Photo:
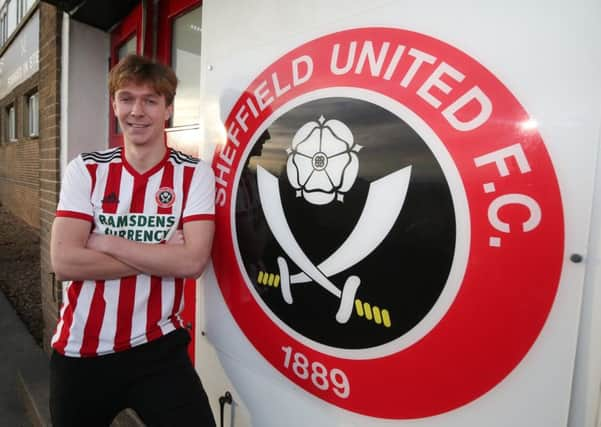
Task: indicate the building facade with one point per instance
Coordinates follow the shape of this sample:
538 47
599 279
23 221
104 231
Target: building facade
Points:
30 125
19 104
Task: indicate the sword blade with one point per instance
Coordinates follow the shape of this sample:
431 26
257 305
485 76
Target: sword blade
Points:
385 200
269 193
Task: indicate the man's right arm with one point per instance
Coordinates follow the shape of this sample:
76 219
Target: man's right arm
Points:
70 258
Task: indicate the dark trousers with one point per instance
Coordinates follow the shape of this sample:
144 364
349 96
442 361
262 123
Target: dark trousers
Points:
157 380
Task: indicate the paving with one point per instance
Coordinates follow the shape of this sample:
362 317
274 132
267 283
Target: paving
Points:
23 373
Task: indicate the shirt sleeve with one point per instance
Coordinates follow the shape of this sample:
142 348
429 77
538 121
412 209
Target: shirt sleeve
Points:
76 189
200 204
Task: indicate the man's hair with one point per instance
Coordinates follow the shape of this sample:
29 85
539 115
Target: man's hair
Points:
140 70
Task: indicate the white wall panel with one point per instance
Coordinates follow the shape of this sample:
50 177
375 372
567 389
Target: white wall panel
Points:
547 56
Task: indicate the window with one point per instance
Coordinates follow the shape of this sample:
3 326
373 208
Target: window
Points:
32 122
3 25
12 17
185 59
127 47
11 124
21 5
12 13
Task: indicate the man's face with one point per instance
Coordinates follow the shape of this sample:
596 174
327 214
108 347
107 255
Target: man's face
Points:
141 113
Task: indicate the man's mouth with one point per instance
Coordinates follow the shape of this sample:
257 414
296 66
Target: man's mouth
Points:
138 125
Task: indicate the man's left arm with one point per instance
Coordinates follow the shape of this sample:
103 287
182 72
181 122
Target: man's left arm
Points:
188 259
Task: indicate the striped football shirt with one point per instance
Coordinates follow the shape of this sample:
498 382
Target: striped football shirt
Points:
105 316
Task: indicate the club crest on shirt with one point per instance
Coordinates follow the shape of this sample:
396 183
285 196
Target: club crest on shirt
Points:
165 197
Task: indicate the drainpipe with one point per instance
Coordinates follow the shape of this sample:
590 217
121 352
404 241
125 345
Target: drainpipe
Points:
64 94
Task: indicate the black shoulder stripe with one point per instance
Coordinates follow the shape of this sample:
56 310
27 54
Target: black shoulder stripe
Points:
94 158
104 153
179 157
102 156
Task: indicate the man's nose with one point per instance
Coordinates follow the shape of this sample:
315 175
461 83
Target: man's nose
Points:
137 108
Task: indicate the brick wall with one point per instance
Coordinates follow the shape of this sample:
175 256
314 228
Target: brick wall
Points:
49 85
20 159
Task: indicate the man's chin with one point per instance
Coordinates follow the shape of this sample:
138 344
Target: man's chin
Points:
140 140
137 140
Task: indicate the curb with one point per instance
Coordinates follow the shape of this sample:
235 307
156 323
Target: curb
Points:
32 385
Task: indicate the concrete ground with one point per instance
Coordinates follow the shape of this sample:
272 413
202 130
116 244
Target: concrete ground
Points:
21 362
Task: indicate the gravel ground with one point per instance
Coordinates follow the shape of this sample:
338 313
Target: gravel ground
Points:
20 271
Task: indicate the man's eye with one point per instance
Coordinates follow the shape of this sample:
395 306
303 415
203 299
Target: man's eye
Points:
125 99
151 101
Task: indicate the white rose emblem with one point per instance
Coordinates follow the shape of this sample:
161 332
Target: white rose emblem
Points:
322 161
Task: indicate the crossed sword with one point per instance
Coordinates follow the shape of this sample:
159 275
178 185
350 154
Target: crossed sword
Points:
385 200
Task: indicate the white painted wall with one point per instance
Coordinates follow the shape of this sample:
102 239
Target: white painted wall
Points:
84 93
548 57
586 393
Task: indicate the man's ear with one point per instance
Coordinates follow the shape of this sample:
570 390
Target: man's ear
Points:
169 112
114 106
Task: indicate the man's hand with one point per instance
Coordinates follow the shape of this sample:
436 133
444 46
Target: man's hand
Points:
97 242
176 239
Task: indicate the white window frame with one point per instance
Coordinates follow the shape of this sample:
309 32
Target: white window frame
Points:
11 123
20 12
33 114
3 25
12 21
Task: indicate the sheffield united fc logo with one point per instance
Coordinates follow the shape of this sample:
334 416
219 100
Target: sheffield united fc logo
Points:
165 197
377 198
342 249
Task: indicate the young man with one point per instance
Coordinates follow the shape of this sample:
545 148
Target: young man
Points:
131 224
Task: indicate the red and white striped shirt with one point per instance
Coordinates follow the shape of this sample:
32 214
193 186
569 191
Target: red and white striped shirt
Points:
105 316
